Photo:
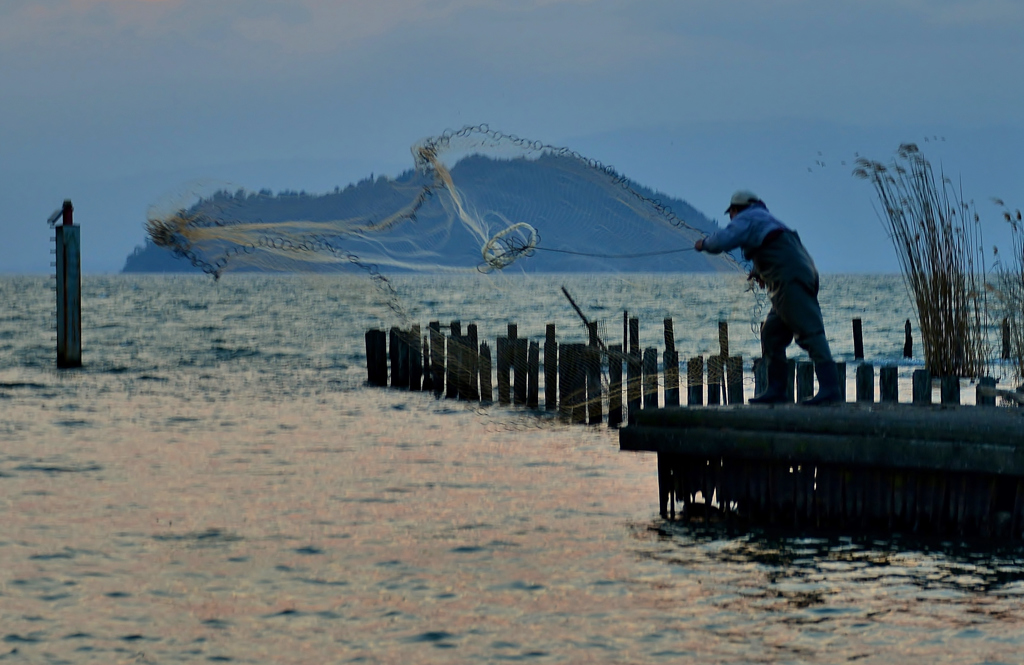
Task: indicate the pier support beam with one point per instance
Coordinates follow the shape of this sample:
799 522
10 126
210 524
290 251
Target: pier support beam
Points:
67 237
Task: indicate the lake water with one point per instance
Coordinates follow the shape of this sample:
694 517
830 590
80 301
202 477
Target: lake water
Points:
216 484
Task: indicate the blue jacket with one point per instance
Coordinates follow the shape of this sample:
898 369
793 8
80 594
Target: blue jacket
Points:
747 231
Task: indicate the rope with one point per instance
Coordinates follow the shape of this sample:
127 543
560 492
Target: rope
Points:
615 256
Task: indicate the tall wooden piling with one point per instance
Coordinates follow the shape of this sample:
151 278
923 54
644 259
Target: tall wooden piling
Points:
734 379
922 387
888 384
473 362
634 370
415 358
437 355
67 238
1005 328
650 378
714 380
520 353
695 381
614 385
551 368
949 390
503 351
486 396
908 341
866 383
533 375
452 386
858 340
671 365
376 358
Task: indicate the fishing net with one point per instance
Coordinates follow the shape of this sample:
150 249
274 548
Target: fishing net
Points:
477 200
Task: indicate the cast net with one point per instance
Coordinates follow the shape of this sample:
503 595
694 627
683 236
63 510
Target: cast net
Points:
477 200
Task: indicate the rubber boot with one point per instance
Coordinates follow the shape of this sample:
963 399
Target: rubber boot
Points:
776 391
828 385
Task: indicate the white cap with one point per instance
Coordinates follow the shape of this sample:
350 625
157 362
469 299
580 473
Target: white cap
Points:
742 198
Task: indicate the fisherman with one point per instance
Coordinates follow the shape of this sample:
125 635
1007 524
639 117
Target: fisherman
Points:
784 267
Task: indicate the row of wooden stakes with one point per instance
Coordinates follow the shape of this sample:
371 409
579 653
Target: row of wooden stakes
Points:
459 366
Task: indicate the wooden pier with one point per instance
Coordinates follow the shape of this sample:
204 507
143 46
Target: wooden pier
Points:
868 464
945 471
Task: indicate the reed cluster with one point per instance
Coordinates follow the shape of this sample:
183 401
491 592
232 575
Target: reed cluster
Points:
937 238
1008 286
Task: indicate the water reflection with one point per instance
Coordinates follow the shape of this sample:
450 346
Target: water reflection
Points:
930 565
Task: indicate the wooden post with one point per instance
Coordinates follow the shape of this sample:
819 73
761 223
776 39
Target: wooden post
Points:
734 379
908 341
634 373
723 338
551 369
650 378
473 362
376 358
695 381
486 396
520 353
922 387
888 384
1006 338
614 385
533 375
858 340
714 380
437 355
68 240
841 370
415 359
671 364
504 362
949 390
452 387
983 399
866 383
804 380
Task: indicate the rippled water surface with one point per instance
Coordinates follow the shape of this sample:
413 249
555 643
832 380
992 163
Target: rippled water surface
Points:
217 485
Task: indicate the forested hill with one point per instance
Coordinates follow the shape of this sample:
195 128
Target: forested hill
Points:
577 211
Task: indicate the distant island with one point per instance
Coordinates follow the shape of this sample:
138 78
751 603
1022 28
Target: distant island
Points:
586 222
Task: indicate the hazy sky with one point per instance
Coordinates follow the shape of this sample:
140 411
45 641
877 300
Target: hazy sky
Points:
117 104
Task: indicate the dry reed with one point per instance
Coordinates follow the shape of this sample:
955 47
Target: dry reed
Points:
1008 277
936 236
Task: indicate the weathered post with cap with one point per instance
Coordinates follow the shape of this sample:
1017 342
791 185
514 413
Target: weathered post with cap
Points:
69 288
